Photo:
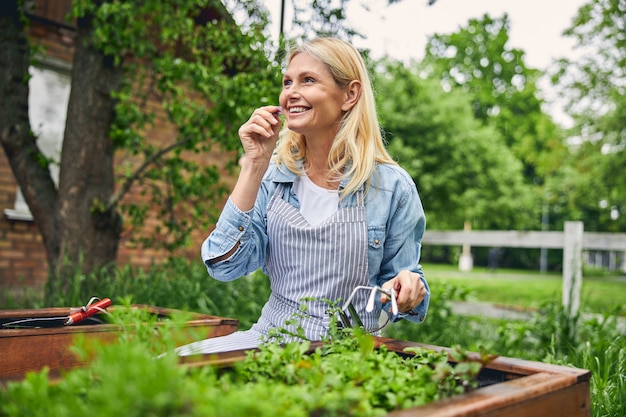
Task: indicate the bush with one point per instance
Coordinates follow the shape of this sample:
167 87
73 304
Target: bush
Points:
346 376
177 284
550 335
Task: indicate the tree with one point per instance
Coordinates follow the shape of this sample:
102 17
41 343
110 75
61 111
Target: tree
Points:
321 18
503 89
594 86
203 70
463 169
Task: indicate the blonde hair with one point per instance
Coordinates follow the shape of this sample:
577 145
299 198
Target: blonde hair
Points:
358 145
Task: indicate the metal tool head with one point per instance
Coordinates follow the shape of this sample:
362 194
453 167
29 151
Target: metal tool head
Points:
348 314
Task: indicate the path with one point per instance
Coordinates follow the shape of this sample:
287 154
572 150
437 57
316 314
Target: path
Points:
489 310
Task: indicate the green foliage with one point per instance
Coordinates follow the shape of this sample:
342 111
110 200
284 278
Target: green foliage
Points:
597 74
478 59
350 364
321 18
178 284
503 94
596 344
587 188
550 335
442 326
503 90
206 74
463 169
471 172
124 377
345 376
608 381
594 181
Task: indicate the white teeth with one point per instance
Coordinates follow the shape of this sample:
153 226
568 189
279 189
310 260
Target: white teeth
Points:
297 109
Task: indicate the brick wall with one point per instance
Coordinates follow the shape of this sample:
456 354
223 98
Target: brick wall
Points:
22 254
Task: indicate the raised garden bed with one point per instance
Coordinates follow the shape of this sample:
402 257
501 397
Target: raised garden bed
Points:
508 387
46 343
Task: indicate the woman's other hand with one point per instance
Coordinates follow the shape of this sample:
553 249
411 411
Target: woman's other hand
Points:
409 288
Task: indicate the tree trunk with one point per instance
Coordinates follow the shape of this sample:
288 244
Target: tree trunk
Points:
89 232
77 230
18 141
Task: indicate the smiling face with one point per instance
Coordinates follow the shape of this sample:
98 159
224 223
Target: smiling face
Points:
312 102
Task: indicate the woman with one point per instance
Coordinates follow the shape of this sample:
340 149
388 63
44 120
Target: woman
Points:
323 210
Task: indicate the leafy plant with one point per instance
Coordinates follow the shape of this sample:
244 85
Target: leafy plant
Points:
344 376
178 284
596 344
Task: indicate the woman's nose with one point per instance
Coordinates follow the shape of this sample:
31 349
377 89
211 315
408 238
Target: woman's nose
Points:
293 91
290 94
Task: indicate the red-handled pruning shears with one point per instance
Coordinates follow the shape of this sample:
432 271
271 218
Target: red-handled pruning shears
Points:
94 306
88 311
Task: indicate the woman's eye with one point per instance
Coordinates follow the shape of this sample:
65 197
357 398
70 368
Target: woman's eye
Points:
286 83
309 80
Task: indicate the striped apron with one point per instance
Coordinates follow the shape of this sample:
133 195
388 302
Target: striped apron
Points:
307 266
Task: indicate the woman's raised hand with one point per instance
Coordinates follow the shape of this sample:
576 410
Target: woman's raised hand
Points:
259 134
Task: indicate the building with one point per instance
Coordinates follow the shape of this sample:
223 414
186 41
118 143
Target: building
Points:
22 253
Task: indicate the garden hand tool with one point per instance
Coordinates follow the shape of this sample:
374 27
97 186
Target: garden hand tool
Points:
94 306
348 307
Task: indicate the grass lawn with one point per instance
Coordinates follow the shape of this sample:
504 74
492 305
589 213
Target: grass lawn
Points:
530 289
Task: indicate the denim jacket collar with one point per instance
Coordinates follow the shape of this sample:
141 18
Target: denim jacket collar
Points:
283 175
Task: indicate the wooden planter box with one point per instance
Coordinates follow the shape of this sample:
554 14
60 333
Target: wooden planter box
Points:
508 387
30 349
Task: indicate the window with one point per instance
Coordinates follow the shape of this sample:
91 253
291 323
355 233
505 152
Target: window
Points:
47 103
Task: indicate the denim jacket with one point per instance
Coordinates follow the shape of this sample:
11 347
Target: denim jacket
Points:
395 223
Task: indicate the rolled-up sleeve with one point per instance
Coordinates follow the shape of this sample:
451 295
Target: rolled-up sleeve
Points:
235 226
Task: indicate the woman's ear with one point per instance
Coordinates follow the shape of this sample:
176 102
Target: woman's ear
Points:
353 92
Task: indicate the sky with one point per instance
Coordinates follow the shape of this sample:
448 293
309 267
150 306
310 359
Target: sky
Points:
401 30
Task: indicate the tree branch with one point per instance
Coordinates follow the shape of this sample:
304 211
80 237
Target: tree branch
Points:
128 183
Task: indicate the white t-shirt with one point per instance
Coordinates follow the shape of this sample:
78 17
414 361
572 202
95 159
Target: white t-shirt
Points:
316 203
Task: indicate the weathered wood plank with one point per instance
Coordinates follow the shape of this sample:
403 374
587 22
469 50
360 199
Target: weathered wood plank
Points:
522 239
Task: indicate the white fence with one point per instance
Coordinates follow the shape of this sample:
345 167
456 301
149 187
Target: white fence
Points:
573 240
